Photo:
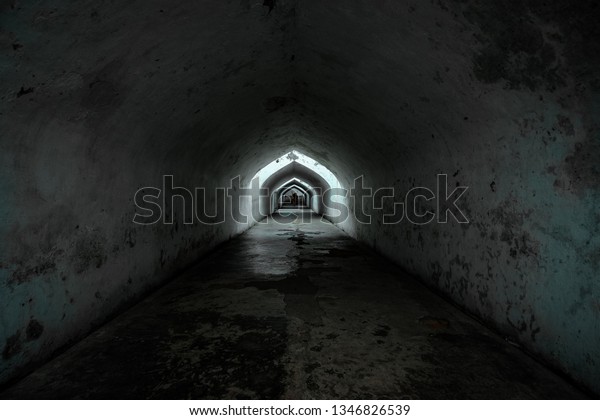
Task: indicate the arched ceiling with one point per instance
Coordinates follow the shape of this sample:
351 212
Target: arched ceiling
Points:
295 183
239 83
293 189
295 170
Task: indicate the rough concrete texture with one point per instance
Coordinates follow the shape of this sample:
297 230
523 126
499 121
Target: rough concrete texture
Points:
296 310
101 98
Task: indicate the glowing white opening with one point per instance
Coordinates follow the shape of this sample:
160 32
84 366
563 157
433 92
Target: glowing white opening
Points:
302 159
295 181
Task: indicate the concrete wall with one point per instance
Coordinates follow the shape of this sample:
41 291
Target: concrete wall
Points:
504 98
99 100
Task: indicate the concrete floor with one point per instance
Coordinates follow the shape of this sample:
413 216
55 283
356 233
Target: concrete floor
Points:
296 310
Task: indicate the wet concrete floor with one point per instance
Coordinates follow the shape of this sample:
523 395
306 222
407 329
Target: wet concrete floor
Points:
296 311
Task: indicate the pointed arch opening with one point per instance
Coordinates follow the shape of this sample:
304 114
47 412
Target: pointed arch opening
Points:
295 167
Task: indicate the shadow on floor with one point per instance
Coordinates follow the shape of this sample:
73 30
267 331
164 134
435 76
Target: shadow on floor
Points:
293 309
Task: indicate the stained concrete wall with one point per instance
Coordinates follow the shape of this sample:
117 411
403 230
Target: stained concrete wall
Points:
100 99
504 98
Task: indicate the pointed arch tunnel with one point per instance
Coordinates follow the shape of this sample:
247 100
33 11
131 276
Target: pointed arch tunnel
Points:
211 91
296 169
293 186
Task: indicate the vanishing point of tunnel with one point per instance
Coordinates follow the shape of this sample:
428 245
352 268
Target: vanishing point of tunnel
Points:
299 199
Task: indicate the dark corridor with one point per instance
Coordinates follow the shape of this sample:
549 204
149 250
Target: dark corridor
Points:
453 146
299 311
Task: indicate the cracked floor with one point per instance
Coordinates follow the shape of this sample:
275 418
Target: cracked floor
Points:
295 310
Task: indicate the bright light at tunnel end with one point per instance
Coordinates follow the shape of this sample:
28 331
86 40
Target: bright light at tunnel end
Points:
330 200
302 159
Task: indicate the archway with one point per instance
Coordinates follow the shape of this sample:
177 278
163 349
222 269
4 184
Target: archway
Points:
293 196
308 191
307 172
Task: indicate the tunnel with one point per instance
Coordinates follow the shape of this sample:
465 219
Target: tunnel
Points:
294 195
445 154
